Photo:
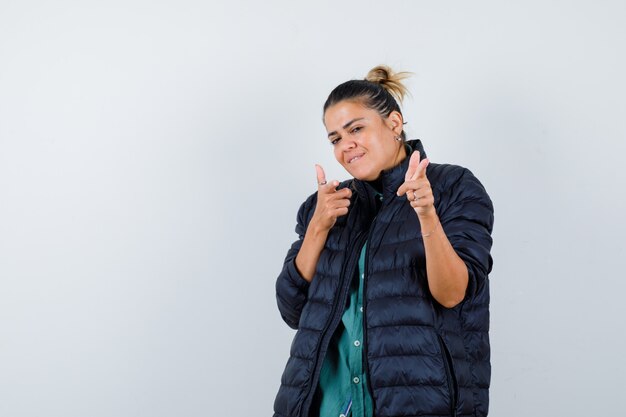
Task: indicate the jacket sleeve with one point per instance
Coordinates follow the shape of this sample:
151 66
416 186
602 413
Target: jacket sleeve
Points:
291 287
468 223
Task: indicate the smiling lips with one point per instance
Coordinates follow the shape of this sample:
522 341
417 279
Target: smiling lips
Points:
355 158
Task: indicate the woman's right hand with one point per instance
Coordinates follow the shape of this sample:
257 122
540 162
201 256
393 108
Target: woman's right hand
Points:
331 203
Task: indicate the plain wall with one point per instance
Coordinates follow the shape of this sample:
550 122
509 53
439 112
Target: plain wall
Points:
153 156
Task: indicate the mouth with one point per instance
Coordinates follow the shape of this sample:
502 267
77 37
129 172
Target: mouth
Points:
355 158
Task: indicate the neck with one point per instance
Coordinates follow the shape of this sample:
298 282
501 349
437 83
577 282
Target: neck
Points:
398 158
401 154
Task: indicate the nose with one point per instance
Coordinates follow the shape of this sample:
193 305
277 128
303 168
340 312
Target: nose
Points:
348 144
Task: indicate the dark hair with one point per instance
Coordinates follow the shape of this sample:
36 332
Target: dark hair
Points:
377 91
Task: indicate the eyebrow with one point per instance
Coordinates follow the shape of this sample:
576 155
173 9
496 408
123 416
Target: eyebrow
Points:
347 125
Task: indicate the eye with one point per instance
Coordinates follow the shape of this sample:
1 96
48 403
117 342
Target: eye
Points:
335 141
356 129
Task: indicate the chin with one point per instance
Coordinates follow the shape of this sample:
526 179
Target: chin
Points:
360 173
367 176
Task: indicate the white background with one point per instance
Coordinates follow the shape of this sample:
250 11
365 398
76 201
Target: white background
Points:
153 155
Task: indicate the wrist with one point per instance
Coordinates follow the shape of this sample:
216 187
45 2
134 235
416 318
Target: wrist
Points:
316 229
428 219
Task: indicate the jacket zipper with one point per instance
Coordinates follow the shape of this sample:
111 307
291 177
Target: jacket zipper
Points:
365 279
334 321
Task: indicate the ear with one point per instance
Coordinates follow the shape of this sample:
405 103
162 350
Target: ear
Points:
395 122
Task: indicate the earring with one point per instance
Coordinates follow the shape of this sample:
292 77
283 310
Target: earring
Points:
398 138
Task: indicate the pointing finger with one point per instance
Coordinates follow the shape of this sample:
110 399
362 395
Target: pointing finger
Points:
413 164
321 176
421 169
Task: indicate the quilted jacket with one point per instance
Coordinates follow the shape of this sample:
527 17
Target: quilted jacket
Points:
422 359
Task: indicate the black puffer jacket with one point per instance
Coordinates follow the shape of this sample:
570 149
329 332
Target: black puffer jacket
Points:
422 359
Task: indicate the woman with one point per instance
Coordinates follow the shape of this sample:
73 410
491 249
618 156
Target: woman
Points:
387 284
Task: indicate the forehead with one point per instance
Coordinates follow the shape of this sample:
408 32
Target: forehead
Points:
337 115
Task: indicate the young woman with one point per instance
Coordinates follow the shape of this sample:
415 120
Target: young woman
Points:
387 284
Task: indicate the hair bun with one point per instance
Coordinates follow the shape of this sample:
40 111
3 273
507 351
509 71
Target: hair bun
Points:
389 80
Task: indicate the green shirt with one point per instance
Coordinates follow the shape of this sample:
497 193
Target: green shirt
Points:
342 389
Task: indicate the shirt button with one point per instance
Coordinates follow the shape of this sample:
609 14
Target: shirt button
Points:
357 343
361 308
362 276
356 380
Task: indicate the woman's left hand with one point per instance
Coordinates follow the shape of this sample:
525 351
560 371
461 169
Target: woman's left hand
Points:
417 189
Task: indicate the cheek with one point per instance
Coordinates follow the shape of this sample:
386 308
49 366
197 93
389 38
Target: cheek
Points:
338 154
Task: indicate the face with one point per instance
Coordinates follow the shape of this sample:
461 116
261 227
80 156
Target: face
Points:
364 142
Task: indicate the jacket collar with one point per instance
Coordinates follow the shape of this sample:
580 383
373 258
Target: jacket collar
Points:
392 178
